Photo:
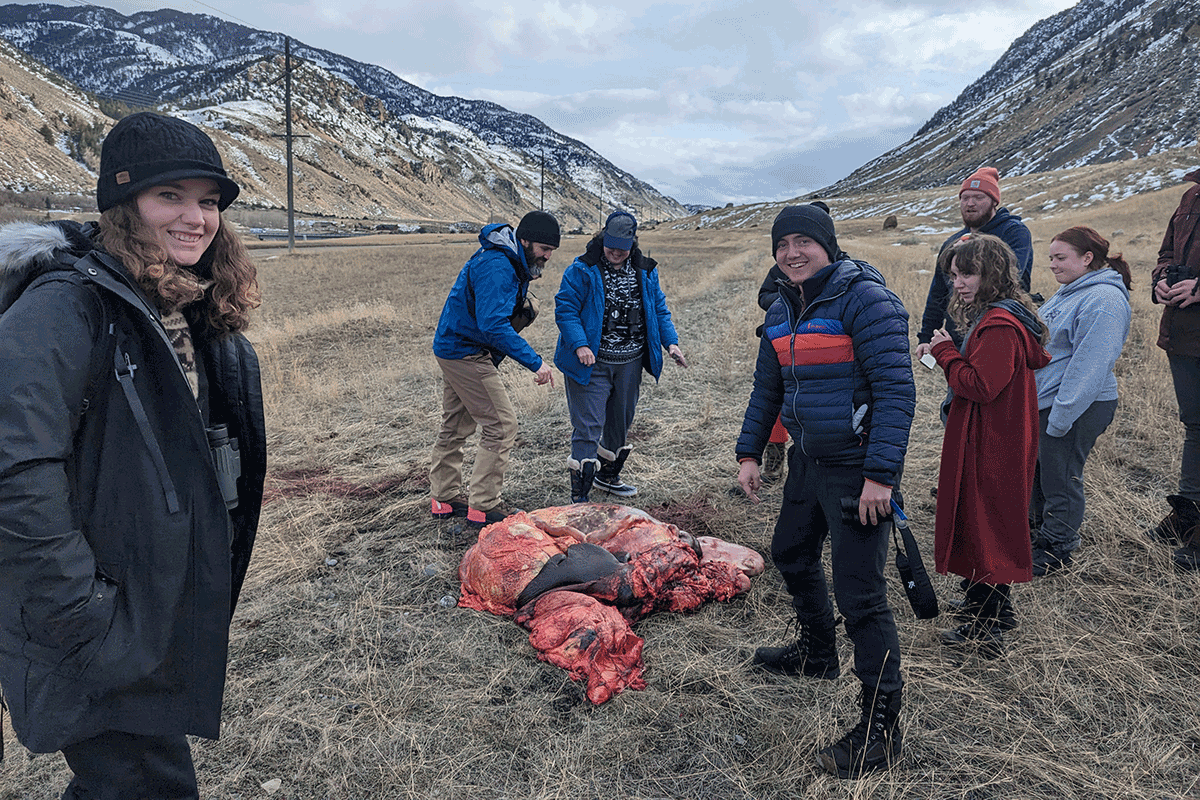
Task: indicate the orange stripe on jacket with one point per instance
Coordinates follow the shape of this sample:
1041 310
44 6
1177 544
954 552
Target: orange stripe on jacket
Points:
814 348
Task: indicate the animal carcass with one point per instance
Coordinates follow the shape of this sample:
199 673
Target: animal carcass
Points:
576 576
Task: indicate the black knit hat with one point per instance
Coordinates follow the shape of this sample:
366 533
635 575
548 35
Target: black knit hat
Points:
807 221
145 149
539 226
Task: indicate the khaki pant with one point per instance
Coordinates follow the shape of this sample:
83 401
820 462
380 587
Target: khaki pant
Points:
472 395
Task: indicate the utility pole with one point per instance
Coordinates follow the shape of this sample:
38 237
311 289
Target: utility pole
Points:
542 205
287 132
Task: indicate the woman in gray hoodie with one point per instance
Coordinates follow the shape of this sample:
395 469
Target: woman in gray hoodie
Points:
1088 318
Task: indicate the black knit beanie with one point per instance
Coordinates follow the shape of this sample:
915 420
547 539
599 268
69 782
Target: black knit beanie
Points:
145 149
807 221
539 226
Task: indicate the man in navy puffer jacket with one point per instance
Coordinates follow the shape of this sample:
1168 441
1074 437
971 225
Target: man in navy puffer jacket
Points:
834 362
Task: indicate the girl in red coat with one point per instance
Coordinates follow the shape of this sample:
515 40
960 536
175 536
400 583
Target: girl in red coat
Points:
990 448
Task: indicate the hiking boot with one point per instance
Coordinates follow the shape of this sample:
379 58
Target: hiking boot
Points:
478 519
983 635
454 507
1185 515
1006 617
813 655
774 458
609 476
1048 560
1188 557
876 742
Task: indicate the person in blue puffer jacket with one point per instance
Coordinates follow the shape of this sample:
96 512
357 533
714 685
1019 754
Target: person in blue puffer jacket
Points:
613 323
833 358
477 330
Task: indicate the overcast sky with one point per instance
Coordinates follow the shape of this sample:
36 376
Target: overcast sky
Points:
710 101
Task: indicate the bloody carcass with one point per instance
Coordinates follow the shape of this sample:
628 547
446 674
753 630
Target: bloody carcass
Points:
576 576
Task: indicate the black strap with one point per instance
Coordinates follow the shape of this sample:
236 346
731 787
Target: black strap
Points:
125 369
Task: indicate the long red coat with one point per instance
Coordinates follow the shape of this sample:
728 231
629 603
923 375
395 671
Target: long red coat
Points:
989 452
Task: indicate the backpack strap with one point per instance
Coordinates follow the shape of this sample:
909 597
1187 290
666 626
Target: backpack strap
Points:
125 368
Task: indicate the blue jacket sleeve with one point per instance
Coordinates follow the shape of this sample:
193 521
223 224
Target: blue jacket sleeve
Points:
657 305
496 290
1018 237
878 326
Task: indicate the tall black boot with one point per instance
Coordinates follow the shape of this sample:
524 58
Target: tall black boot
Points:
813 654
984 631
876 742
583 473
609 476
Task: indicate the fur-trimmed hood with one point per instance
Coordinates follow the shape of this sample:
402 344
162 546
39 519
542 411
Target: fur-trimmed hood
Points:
29 250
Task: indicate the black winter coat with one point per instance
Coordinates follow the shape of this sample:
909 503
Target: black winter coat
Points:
119 561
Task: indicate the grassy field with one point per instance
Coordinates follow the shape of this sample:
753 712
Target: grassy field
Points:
352 675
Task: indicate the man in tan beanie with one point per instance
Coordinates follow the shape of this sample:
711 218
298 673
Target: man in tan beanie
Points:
979 204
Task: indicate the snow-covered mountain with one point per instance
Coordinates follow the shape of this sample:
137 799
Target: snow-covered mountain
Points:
1107 80
375 146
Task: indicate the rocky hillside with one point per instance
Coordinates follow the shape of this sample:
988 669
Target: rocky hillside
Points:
1107 80
374 145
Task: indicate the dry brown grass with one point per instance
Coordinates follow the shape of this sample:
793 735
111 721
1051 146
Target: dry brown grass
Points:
349 679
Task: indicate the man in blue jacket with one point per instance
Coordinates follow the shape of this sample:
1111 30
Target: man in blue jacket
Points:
833 362
979 203
474 334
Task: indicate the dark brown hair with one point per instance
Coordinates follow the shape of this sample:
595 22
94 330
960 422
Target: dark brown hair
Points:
995 263
1083 239
234 292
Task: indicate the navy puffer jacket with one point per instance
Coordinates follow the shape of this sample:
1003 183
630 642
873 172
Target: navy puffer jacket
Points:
838 371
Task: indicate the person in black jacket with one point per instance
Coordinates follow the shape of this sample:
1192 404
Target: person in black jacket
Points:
979 204
132 457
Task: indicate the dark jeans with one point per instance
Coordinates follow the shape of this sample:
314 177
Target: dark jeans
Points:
602 410
811 512
126 766
1185 370
1057 504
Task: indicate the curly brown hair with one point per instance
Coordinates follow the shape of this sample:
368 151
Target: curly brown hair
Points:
234 291
995 263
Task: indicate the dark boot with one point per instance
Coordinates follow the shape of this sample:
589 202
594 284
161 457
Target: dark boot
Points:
876 742
583 473
1188 556
1185 515
609 476
1048 559
983 632
813 654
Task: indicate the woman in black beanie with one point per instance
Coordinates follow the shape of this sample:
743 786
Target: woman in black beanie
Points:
132 456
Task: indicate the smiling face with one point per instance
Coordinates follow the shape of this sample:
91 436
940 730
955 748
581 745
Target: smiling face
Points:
800 257
966 286
1067 263
183 216
615 255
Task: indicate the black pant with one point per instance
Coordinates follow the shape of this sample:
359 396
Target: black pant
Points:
811 512
126 766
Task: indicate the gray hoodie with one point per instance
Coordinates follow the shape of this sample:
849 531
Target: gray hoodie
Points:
1088 320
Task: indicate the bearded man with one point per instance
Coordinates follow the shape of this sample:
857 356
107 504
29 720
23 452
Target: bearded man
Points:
478 328
979 204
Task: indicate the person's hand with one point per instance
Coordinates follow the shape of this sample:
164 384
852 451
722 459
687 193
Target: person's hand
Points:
1163 292
923 349
750 478
677 354
1181 295
544 375
585 355
875 502
939 336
